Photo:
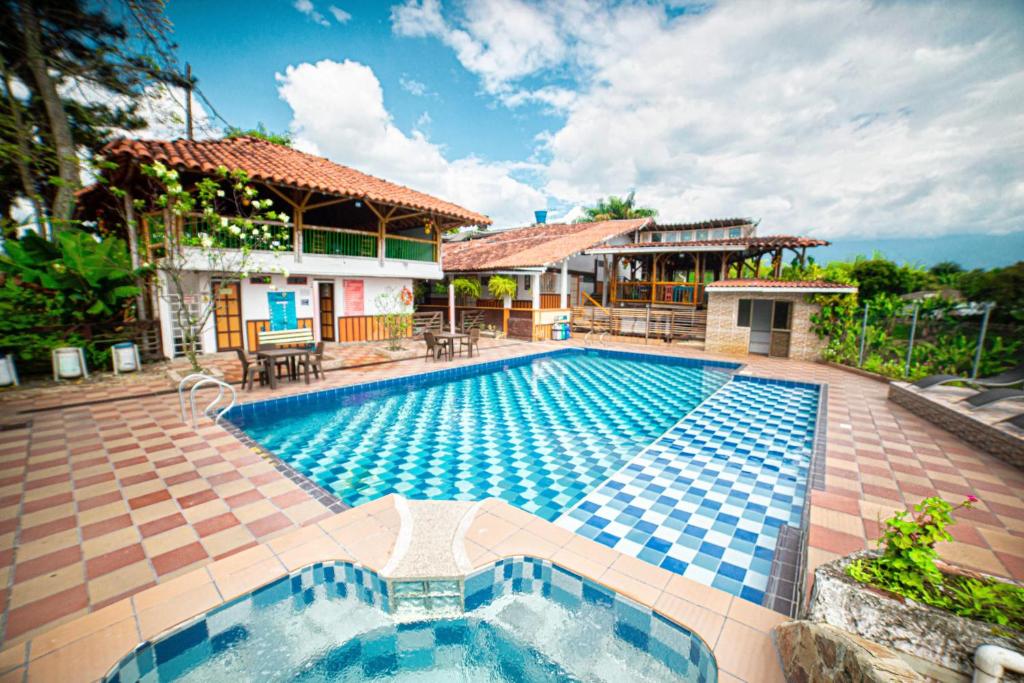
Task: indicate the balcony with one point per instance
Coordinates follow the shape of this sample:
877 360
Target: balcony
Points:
316 241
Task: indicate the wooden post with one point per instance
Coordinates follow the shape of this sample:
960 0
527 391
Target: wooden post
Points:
725 265
614 276
654 277
604 288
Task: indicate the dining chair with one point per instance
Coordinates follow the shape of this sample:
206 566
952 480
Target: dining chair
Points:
251 370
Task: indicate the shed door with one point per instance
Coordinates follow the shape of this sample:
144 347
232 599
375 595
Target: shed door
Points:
761 326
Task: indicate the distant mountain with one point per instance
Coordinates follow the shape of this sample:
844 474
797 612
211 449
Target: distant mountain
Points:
970 251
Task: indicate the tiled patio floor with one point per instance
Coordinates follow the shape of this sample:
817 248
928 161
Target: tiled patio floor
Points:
104 500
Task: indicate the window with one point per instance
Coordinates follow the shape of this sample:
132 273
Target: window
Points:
655 236
780 315
735 232
687 235
717 234
743 319
702 235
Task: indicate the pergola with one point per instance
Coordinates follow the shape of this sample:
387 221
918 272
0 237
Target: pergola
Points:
675 273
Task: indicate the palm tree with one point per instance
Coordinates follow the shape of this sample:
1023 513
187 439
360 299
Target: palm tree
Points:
615 208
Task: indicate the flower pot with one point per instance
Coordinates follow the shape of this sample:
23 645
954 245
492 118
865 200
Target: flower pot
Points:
895 622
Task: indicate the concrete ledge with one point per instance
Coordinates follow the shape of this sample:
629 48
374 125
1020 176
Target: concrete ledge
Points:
980 428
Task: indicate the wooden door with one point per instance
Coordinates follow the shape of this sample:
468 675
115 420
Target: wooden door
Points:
761 327
227 316
326 293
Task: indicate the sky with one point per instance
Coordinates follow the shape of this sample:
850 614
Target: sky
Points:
897 125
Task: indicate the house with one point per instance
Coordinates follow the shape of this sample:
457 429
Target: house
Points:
351 236
766 317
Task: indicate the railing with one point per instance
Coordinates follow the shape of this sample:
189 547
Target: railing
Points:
684 322
410 248
196 381
689 293
277 238
546 301
339 242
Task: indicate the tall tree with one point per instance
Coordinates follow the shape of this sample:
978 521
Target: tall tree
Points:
72 73
616 208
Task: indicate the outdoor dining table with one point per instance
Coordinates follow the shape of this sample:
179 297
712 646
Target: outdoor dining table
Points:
448 339
270 356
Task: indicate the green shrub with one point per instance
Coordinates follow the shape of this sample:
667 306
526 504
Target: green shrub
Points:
907 567
501 286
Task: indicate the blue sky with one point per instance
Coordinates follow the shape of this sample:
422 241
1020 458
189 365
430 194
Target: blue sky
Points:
889 123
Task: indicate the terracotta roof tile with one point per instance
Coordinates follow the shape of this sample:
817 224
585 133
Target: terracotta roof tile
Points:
770 241
777 284
266 161
534 246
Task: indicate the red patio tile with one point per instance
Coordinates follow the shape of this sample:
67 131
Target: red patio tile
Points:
215 524
833 501
47 563
290 498
156 448
158 526
149 499
223 477
93 479
181 478
46 481
265 478
98 501
112 561
44 530
106 526
168 462
35 614
180 557
834 541
43 503
269 524
138 478
243 498
197 498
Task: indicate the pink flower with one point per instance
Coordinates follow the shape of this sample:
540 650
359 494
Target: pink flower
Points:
972 498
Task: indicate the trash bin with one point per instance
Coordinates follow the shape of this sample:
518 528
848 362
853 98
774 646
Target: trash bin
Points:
8 373
125 357
68 363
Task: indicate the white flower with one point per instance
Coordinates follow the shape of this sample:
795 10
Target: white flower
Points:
235 230
206 241
220 193
223 222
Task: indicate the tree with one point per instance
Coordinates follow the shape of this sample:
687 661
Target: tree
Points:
65 55
261 132
880 276
233 222
616 208
394 311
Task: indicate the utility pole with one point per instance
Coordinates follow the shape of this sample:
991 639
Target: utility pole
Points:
188 101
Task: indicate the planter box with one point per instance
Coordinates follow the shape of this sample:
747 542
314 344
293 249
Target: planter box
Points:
902 625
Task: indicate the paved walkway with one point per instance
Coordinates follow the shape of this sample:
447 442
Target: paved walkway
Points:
101 501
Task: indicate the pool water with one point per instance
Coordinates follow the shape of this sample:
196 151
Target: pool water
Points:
539 433
328 624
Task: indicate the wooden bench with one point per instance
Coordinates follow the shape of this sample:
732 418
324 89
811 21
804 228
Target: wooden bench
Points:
300 337
471 319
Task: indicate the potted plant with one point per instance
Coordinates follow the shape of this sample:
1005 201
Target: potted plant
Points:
466 288
501 286
903 597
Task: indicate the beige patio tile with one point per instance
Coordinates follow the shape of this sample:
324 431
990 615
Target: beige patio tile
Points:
488 530
79 628
632 588
47 584
169 540
183 606
747 654
702 621
120 581
642 571
715 600
87 658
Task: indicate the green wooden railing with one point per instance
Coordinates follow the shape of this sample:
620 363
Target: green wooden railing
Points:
332 243
408 250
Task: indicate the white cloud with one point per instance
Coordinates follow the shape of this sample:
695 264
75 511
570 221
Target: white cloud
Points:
340 15
338 112
307 8
413 87
838 118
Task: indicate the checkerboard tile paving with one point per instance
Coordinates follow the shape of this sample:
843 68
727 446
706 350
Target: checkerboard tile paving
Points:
67 476
708 498
538 434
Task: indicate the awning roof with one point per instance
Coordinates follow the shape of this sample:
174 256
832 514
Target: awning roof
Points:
728 244
795 286
534 246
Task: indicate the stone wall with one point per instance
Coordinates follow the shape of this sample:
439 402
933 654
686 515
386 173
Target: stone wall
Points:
995 439
813 652
723 336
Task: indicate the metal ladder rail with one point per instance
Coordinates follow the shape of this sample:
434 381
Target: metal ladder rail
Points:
201 380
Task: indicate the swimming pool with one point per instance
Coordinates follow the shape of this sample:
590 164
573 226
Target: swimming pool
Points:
524 620
539 432
682 463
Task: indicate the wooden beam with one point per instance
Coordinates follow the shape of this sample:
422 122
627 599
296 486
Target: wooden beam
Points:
288 200
320 205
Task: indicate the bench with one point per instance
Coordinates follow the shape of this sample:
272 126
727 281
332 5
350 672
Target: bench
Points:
300 337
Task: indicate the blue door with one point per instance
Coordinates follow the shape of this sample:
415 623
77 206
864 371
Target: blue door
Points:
282 310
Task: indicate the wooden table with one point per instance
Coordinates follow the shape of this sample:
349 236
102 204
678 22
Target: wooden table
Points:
271 356
448 339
